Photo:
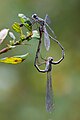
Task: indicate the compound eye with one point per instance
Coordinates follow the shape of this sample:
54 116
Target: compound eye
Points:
51 59
34 16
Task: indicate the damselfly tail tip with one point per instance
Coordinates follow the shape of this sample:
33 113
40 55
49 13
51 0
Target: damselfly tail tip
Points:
50 108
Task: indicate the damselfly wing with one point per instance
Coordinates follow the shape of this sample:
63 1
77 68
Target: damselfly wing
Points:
46 39
48 21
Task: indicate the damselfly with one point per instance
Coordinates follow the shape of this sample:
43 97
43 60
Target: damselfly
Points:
48 68
49 91
44 23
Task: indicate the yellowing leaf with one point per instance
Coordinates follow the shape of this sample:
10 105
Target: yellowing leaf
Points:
14 59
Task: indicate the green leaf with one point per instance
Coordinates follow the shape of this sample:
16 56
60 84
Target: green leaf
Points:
16 27
22 56
22 17
14 59
26 21
22 36
3 34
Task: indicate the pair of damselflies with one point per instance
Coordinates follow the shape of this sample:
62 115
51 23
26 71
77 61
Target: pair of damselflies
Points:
49 61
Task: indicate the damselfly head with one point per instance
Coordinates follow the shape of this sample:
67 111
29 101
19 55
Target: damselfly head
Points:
34 16
50 59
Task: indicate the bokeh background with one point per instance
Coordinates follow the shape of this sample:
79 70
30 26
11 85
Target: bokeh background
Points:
22 87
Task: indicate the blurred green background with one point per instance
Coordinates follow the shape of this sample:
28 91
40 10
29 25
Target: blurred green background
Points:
22 87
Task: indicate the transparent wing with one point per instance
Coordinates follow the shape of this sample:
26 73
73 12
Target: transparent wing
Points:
46 39
51 30
49 93
47 19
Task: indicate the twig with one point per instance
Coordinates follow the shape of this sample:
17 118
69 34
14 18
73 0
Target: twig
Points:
9 47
